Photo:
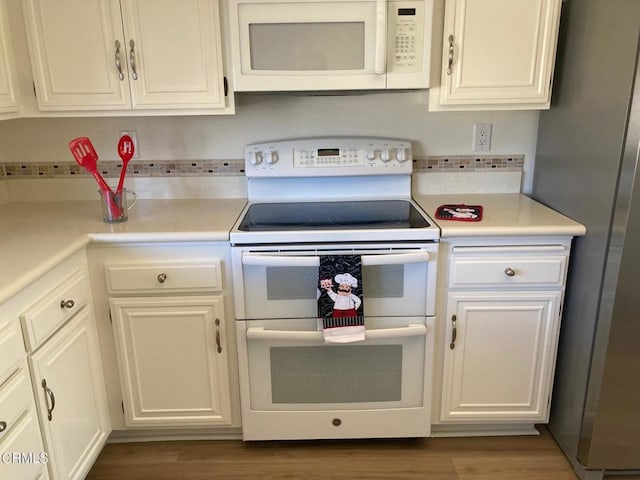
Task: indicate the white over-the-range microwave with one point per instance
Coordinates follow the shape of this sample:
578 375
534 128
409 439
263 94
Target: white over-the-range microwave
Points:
312 45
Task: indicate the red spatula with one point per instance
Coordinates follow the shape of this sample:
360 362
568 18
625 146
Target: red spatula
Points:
126 149
86 156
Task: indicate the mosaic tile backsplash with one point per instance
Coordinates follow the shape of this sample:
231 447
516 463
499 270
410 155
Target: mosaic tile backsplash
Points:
212 168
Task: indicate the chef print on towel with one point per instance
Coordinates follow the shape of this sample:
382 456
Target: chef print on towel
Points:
340 278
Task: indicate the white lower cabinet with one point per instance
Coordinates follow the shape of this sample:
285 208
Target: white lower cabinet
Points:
67 375
499 358
165 323
500 305
172 359
66 378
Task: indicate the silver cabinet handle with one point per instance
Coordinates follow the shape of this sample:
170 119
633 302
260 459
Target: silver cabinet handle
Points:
67 304
449 65
132 60
118 63
509 272
162 277
454 332
49 396
218 335
3 426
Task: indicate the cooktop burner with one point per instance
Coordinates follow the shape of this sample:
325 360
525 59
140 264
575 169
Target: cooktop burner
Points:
338 215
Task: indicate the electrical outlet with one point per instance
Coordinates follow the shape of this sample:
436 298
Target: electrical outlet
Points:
134 137
481 137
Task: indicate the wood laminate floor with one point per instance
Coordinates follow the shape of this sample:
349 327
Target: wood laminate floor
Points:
485 458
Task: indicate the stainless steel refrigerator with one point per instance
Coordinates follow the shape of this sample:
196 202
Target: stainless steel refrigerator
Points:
587 168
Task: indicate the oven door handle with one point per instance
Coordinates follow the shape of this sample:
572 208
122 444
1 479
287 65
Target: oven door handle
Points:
261 260
395 258
259 333
258 259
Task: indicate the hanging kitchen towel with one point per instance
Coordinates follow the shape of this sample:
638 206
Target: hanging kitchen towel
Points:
340 309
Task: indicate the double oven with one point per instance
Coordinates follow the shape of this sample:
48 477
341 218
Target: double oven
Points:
333 197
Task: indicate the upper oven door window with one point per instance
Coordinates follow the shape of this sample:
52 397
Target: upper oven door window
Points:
286 285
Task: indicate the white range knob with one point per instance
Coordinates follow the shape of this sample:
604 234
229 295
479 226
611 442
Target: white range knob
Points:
401 154
385 156
255 158
271 157
372 154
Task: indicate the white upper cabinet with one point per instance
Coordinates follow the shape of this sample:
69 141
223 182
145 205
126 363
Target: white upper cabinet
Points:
73 46
8 98
497 54
129 54
177 53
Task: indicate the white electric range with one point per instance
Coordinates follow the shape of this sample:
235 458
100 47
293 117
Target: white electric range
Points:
318 197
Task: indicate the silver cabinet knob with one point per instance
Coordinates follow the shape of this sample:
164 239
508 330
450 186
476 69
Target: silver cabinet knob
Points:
162 277
3 426
509 272
67 304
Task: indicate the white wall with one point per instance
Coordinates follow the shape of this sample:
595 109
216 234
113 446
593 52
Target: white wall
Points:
268 117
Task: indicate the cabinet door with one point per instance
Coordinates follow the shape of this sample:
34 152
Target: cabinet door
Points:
503 52
8 102
499 356
177 50
68 381
173 360
74 53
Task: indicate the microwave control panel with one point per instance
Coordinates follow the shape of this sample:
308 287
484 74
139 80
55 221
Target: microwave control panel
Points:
406 36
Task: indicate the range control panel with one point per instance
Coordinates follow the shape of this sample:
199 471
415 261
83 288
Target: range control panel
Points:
329 157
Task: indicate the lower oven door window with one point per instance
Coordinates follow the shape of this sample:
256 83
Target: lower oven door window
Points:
290 367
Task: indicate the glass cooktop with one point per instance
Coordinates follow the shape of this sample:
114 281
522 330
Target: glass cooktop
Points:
376 214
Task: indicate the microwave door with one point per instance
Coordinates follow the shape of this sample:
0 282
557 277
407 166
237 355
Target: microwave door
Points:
310 45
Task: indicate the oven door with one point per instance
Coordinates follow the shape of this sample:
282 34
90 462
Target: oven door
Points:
397 281
295 386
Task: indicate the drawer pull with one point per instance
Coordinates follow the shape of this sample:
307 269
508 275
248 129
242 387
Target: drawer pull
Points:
67 304
3 426
49 396
454 332
218 335
162 277
509 272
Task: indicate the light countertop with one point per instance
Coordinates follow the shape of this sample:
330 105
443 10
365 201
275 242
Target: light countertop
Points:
35 236
504 214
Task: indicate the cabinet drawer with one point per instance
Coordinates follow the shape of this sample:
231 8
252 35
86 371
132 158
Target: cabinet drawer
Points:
505 271
24 439
11 349
15 399
164 277
54 309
